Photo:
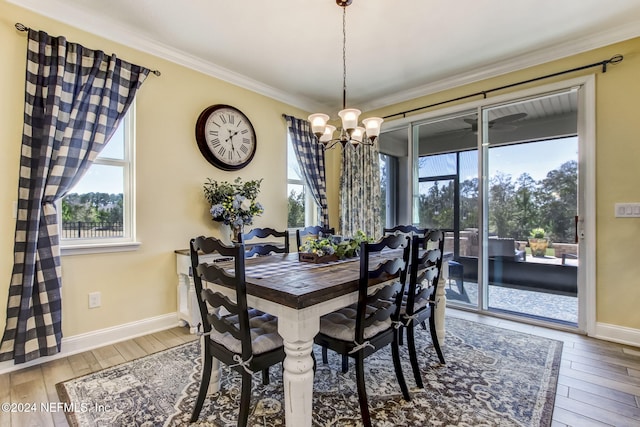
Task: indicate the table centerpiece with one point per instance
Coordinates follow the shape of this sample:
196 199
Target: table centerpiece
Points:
233 204
332 248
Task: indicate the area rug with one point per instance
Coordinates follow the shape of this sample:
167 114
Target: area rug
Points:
493 377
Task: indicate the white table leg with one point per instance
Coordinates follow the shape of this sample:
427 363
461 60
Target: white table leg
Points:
298 328
441 298
214 381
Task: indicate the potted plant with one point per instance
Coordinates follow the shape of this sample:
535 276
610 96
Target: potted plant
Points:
538 242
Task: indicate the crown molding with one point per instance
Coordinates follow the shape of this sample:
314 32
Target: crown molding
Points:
541 56
111 30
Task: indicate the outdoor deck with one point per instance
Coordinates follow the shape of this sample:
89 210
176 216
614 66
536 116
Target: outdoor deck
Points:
530 301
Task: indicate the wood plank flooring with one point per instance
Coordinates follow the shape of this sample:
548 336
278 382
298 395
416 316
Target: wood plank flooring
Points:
599 382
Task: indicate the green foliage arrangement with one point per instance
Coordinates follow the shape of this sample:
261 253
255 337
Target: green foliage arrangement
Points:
329 245
537 233
233 203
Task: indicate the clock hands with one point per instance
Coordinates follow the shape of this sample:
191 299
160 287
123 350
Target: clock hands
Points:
231 135
230 138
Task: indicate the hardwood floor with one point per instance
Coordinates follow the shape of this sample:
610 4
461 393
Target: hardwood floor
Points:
599 383
38 383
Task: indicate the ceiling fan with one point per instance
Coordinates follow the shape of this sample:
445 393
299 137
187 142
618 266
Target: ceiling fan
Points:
501 123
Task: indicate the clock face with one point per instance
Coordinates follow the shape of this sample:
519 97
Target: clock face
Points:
225 137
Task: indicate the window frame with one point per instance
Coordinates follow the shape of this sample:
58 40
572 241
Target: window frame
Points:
128 242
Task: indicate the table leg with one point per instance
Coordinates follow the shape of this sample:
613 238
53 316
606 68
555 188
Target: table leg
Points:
441 298
298 330
214 381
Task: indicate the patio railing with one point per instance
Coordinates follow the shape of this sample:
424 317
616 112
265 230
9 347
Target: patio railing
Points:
87 229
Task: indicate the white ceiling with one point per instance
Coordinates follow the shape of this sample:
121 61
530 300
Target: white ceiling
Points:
396 49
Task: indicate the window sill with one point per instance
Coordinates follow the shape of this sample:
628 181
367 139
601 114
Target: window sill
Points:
101 248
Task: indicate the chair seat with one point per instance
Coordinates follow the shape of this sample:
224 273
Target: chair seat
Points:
264 333
341 324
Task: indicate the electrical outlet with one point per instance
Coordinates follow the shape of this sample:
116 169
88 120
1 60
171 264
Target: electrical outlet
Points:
94 299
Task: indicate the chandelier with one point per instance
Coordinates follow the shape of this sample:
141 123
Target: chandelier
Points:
350 131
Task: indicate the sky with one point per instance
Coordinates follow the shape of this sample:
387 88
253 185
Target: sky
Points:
102 178
535 159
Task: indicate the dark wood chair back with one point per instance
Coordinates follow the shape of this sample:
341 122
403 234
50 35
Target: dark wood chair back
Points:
420 299
215 274
313 231
410 230
228 325
274 245
425 269
386 302
361 333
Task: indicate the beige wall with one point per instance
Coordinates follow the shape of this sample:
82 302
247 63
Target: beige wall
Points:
617 163
170 173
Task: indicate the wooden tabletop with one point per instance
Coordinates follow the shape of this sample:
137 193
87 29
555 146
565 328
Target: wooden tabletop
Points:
302 287
283 279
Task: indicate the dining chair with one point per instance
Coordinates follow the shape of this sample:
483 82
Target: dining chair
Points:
262 247
243 338
456 269
419 300
410 230
312 232
360 330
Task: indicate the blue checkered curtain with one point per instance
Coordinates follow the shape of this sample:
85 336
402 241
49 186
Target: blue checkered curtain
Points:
360 190
310 156
74 99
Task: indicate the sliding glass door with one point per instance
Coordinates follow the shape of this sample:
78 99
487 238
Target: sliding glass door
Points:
502 181
530 188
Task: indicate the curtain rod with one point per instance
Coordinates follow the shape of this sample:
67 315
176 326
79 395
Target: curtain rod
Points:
613 60
22 27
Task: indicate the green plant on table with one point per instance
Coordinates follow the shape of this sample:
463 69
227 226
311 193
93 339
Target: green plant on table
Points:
329 245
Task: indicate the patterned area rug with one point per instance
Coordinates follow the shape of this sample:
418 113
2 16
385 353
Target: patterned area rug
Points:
493 377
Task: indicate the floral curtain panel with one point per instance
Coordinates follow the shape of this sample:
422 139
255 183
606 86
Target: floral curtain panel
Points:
310 156
74 99
360 191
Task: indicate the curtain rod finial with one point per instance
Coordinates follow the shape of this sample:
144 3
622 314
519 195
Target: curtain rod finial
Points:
21 27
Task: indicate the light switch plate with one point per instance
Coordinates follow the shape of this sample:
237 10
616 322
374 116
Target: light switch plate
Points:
627 210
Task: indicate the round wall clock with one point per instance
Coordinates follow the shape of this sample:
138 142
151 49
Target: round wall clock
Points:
225 137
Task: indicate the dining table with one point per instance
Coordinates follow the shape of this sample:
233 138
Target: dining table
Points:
299 293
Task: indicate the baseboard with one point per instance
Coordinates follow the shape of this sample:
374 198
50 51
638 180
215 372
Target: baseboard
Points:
619 334
88 341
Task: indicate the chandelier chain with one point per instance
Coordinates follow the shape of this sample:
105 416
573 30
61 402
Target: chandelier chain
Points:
350 132
344 57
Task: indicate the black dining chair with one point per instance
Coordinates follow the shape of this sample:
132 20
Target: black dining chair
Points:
456 269
243 338
361 330
278 243
420 299
410 230
312 232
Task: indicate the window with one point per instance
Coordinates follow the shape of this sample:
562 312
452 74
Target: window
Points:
302 209
97 214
